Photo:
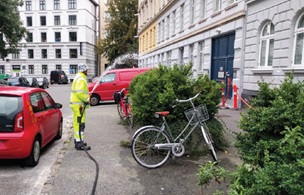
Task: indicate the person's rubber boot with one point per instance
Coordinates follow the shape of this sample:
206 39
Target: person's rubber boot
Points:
82 146
85 144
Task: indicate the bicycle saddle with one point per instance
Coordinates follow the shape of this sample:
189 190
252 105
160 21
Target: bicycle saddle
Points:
163 113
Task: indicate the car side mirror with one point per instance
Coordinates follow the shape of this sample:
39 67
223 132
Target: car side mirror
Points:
58 105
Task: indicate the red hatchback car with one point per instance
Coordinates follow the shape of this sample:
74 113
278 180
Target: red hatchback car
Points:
29 120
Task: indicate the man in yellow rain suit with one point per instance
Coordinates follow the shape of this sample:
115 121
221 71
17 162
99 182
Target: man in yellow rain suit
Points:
80 98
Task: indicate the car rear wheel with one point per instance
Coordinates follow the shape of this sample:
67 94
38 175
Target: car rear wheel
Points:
59 134
94 100
34 157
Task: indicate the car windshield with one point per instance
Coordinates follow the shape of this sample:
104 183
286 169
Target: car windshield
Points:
9 107
13 81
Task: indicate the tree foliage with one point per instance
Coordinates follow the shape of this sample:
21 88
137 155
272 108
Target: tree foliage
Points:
121 29
11 29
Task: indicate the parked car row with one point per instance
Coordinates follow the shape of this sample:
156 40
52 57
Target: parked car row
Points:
37 82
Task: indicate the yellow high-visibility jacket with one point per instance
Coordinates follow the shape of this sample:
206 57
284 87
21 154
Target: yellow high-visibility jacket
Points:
79 92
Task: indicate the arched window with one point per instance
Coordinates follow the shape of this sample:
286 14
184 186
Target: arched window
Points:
299 39
266 45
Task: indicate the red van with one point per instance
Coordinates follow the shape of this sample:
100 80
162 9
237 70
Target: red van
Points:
113 80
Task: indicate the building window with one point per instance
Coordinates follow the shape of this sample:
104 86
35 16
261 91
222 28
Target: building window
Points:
29 37
58 67
72 20
73 69
299 42
201 46
16 55
44 69
181 18
232 1
266 45
57 36
73 53
167 27
191 47
56 20
181 55
163 30
2 70
217 5
43 53
192 11
42 20
42 4
72 4
56 4
58 53
31 69
30 53
43 37
173 22
202 9
73 36
28 5
169 54
29 21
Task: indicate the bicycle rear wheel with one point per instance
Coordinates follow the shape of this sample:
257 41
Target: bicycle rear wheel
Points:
120 110
130 117
208 140
143 147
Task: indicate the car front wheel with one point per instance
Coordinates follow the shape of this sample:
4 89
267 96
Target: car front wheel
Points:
59 134
34 157
94 100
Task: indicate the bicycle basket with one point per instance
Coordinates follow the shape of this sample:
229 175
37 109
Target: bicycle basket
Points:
201 114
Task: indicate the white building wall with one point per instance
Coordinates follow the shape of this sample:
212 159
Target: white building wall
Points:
86 29
283 14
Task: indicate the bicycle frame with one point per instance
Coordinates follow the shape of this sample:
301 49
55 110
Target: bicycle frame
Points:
124 106
165 127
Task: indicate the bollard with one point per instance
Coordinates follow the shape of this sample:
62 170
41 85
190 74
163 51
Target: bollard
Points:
223 98
235 106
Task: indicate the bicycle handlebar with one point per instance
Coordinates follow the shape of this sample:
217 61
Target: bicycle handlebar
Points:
123 89
177 101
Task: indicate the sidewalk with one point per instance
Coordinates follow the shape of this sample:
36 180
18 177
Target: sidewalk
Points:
119 174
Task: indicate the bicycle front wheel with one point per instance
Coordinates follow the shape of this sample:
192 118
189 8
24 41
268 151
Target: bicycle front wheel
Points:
120 110
208 140
130 117
144 151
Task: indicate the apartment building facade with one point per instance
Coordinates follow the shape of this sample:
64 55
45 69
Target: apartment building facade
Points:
274 43
207 33
103 21
61 34
245 40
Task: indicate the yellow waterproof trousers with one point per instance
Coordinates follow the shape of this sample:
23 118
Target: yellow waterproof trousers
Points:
77 113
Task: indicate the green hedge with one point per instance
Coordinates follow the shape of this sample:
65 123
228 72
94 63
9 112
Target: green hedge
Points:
157 90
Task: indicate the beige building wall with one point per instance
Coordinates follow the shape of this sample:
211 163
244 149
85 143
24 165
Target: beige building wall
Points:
103 4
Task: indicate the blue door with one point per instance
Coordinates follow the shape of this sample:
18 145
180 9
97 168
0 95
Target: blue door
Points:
222 61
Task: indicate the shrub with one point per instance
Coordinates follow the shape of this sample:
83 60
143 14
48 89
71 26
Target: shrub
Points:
272 142
157 90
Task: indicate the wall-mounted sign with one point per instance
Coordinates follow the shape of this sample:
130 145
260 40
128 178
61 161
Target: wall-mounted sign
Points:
16 68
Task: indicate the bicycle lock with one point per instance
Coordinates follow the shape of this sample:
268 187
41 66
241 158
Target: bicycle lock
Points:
93 159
